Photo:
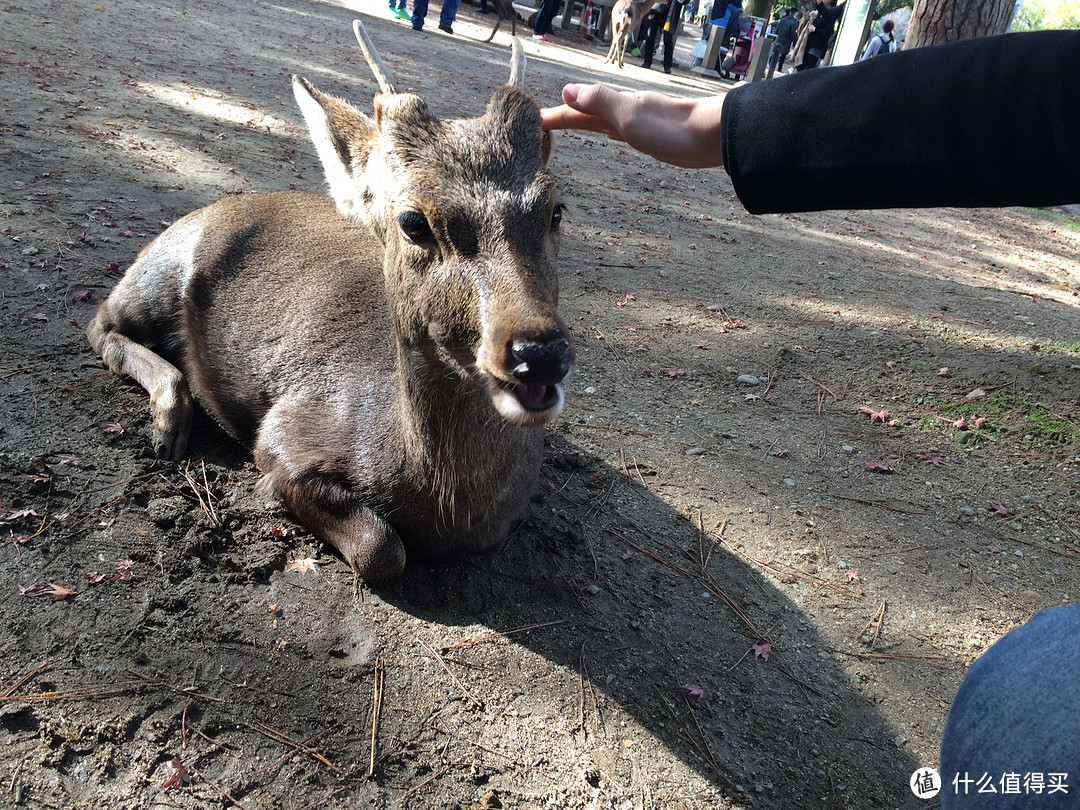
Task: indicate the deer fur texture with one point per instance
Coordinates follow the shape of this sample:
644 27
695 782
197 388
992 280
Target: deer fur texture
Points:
392 354
625 16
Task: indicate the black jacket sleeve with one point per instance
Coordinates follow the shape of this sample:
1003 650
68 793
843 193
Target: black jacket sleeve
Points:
983 122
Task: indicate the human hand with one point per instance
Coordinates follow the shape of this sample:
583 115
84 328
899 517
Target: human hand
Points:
682 132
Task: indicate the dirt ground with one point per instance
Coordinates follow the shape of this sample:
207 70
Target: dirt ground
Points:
725 593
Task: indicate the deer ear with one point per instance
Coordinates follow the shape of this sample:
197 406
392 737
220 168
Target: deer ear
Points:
341 135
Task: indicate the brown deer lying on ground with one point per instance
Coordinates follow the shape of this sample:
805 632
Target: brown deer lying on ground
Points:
391 359
625 16
504 10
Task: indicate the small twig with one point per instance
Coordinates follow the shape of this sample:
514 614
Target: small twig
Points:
289 754
898 656
21 681
618 429
453 677
493 636
277 736
879 504
877 621
425 783
207 504
221 791
376 708
100 690
822 387
183 690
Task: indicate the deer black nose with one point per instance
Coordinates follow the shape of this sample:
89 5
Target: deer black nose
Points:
540 363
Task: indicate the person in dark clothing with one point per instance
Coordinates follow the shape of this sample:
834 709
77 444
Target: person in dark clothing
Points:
820 40
667 18
727 15
544 16
961 117
786 28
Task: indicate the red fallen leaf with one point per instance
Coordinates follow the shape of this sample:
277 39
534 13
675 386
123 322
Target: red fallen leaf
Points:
628 555
57 592
112 429
123 569
961 423
180 776
82 295
762 650
772 399
977 421
930 458
879 467
695 692
999 508
20 539
995 549
853 576
94 577
112 267
890 364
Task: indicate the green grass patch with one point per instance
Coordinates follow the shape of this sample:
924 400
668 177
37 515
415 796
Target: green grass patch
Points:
1001 401
1047 427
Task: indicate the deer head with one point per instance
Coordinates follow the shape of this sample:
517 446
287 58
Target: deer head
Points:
468 218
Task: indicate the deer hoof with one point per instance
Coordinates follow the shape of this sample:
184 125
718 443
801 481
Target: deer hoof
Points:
377 556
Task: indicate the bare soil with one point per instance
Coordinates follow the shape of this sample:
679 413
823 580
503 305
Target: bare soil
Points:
725 594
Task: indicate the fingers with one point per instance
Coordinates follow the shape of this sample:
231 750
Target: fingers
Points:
588 107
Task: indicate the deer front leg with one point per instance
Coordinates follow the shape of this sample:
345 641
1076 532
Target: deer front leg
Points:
171 406
310 483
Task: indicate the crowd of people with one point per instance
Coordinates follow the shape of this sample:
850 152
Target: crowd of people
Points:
803 36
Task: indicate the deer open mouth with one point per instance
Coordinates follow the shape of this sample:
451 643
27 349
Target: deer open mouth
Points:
527 405
537 397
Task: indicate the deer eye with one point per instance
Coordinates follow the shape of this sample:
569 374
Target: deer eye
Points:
414 226
557 216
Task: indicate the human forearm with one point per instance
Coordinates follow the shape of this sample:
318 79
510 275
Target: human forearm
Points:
682 132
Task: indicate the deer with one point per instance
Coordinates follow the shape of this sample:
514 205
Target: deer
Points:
504 10
390 352
625 16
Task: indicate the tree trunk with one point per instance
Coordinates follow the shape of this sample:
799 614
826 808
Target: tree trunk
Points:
937 21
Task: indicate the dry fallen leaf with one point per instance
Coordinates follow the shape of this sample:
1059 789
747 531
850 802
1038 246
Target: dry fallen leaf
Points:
305 566
930 458
879 467
762 650
694 691
180 776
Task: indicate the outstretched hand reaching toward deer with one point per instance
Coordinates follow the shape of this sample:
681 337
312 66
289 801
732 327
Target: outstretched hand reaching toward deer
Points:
682 132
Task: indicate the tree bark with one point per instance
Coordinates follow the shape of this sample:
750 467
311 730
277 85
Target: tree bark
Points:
937 21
